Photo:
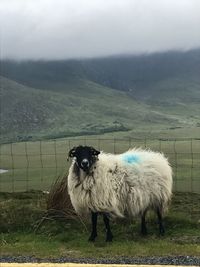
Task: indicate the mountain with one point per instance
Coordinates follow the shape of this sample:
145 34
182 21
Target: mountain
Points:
149 77
28 113
93 96
146 76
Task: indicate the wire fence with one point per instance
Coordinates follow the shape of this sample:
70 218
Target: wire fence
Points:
35 165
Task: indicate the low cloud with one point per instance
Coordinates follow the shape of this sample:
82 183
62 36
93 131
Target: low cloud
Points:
57 29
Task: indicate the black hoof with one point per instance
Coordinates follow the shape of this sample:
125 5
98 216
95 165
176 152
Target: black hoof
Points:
109 238
162 232
92 238
144 232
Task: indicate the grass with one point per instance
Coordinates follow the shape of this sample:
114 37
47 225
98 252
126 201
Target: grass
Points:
22 234
35 165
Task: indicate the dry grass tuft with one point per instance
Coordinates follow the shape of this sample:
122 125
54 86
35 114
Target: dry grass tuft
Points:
59 206
58 200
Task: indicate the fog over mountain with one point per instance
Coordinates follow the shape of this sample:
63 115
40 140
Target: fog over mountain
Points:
49 99
57 29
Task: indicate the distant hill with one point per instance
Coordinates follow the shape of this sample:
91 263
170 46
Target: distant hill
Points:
28 113
148 77
66 98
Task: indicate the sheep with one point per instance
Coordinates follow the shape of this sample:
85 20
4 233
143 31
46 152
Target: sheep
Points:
122 185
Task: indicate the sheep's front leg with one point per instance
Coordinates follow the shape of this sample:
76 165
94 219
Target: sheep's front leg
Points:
94 227
109 235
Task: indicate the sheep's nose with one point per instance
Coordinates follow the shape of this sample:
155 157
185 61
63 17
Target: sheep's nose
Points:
85 163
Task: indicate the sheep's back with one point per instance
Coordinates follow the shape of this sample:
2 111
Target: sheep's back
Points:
142 179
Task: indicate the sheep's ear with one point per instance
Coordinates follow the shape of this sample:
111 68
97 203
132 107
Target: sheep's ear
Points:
72 152
95 152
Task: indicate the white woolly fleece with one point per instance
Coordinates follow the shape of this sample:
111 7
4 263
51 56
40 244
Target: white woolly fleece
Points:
122 185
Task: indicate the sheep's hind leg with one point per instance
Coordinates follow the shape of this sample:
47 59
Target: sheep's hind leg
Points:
94 227
143 223
109 235
160 221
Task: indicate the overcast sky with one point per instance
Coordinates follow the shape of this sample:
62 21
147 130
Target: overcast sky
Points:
58 29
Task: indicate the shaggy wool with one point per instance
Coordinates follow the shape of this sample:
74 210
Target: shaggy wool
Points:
122 185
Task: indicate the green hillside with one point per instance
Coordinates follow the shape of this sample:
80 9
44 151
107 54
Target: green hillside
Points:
50 99
28 113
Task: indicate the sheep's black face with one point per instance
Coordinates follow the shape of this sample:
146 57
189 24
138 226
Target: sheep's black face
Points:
85 156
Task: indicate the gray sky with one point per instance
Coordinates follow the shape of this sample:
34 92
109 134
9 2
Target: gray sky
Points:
85 28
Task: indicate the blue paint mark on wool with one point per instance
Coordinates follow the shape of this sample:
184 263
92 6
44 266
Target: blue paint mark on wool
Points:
131 158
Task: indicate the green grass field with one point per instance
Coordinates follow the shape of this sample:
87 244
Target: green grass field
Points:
24 231
35 165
